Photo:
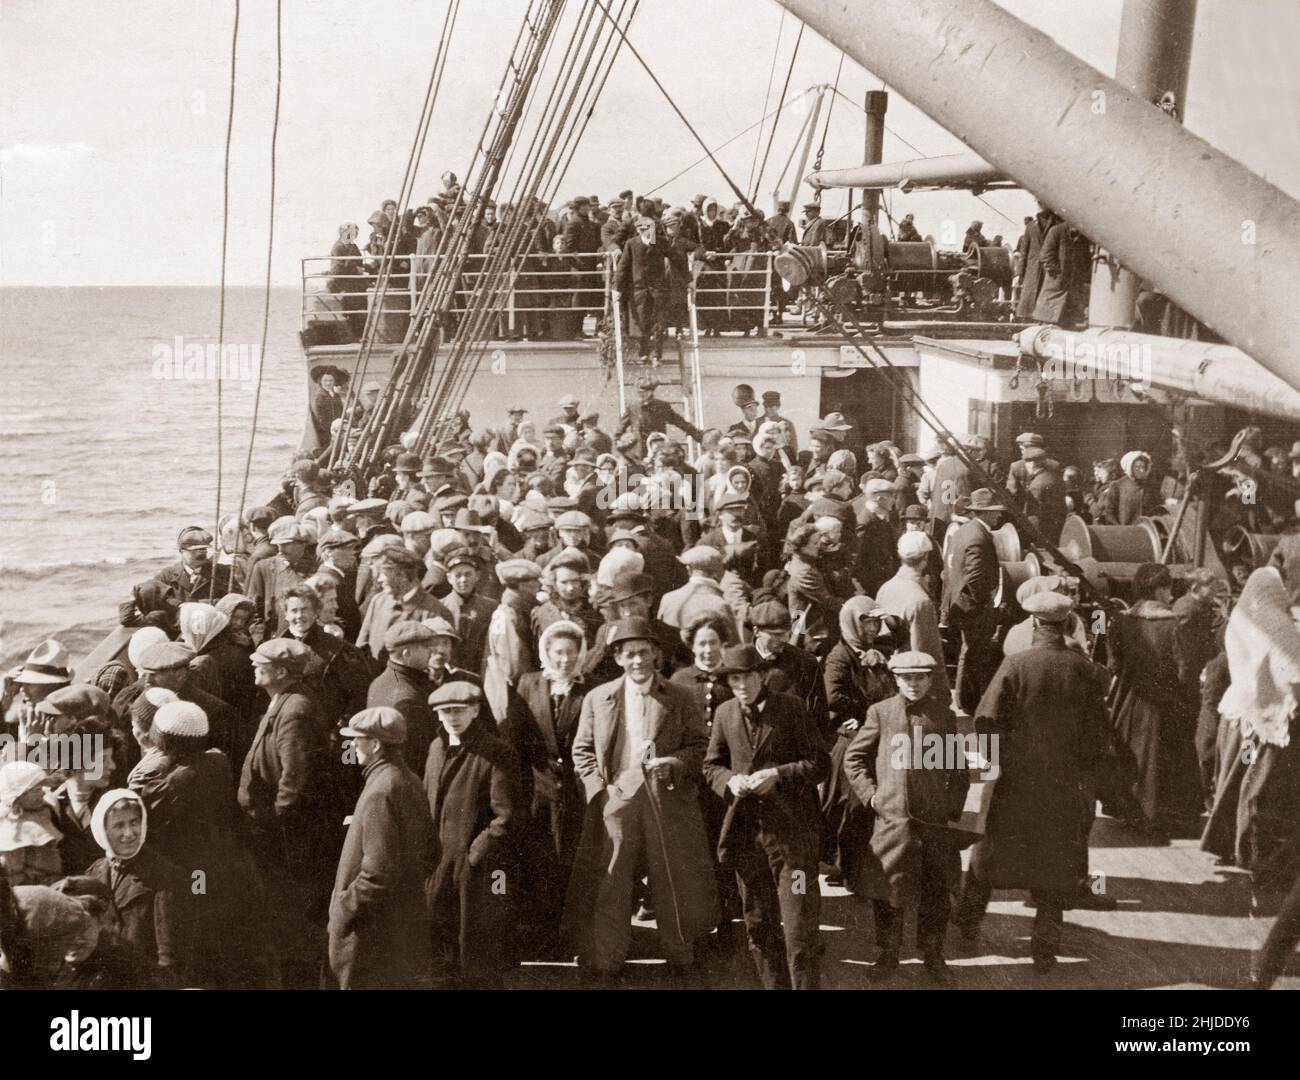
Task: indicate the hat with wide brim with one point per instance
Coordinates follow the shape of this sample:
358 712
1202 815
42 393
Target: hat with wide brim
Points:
340 376
983 499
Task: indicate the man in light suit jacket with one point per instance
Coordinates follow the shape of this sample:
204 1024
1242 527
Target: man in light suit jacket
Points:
638 753
702 592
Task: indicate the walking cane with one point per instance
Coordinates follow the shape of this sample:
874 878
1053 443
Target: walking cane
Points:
646 756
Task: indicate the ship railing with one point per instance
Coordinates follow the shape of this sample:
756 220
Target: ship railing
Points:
550 297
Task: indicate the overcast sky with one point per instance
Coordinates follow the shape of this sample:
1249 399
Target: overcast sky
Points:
112 118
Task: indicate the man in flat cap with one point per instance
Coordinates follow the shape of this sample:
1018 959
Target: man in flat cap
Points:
638 753
1018 473
786 667
702 591
908 766
281 791
568 415
471 783
511 646
1044 494
907 599
294 563
379 928
404 685
765 759
951 482
507 436
877 555
1046 706
816 229
649 414
191 575
401 598
971 577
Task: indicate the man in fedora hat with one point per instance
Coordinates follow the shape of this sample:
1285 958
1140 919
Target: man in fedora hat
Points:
638 753
45 670
970 587
401 598
765 760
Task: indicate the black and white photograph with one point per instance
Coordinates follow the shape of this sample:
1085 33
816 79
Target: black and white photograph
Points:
641 495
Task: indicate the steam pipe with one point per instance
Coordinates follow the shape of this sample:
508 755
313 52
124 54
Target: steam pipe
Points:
1218 240
916 172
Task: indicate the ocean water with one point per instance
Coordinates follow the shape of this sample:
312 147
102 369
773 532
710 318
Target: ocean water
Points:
104 458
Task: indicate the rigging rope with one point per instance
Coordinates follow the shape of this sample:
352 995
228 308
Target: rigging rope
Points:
779 106
821 149
722 146
767 94
680 115
270 248
221 302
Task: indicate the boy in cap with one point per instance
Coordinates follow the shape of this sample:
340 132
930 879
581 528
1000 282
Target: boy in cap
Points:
766 759
638 752
281 790
912 858
1047 708
379 929
471 608
471 782
786 667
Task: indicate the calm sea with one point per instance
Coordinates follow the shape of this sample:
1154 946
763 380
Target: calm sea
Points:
104 459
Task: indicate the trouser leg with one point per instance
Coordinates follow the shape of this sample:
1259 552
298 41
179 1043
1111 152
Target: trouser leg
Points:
1049 920
762 913
976 664
934 905
800 897
889 926
677 948
972 903
611 913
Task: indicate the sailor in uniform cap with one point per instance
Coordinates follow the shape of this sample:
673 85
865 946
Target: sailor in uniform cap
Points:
912 858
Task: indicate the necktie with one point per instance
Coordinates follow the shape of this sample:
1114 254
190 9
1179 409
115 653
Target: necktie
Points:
751 719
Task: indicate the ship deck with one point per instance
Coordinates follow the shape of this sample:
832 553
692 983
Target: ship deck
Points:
1182 923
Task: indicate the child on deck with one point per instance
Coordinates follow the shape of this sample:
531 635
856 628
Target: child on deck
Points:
29 839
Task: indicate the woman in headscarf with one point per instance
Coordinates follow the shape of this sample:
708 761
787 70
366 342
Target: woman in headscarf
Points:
221 665
549 704
152 603
1128 499
145 888
348 279
1153 720
846 461
856 678
1255 822
189 793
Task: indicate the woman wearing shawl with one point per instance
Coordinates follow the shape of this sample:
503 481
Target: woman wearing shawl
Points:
549 702
221 668
189 793
1153 719
145 889
856 678
1256 818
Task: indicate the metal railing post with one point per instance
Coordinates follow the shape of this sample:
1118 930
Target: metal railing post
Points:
767 295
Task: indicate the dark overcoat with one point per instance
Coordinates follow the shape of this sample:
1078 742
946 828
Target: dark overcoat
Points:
379 929
1046 707
911 806
786 822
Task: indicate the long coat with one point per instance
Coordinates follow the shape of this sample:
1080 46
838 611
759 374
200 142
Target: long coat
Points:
911 806
971 577
1046 707
674 724
906 598
1154 721
511 649
379 929
851 689
1031 276
545 734
1066 259
145 905
470 616
473 793
407 690
786 821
